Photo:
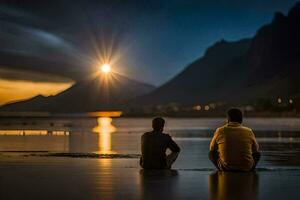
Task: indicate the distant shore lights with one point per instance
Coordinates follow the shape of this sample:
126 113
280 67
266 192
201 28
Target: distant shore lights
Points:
279 100
206 107
197 107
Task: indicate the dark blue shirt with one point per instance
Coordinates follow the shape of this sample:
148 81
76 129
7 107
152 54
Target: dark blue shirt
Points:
154 146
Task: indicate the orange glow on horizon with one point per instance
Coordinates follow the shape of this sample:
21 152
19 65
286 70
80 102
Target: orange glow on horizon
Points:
105 114
13 90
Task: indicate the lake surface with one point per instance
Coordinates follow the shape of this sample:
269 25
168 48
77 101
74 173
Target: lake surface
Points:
23 144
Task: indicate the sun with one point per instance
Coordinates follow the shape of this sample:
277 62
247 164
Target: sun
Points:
105 68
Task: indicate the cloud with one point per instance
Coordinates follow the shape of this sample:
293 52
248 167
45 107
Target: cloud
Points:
33 76
28 46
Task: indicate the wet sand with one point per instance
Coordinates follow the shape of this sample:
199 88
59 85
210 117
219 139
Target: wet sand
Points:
121 178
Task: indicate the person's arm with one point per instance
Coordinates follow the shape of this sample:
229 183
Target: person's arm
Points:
142 149
213 149
255 150
173 146
174 154
255 146
213 143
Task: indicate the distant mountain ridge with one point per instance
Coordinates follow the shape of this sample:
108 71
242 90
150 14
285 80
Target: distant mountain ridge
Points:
103 92
266 66
201 79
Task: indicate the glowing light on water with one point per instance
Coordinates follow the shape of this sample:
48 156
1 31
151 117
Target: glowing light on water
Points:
33 132
104 129
105 114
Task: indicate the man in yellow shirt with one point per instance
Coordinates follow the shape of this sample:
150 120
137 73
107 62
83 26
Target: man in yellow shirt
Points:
233 146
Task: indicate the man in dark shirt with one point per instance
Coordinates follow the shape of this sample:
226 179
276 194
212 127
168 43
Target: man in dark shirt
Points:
154 146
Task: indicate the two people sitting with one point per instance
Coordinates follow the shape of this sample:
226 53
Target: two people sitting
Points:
232 148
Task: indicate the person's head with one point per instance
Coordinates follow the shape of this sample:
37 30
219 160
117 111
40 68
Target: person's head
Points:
158 124
235 115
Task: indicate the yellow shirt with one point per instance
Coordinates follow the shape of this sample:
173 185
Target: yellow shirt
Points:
235 145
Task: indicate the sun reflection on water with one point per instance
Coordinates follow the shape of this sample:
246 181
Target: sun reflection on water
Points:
104 129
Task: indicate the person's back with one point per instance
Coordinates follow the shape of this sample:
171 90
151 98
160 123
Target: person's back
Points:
154 145
234 147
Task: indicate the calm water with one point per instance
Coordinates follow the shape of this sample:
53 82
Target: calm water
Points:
279 139
277 177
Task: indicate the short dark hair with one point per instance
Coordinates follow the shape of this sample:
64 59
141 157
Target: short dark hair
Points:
235 115
158 123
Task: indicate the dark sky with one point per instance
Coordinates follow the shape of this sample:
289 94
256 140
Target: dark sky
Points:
149 41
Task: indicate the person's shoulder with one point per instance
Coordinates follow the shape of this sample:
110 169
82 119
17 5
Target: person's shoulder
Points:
246 128
247 131
166 135
220 129
146 134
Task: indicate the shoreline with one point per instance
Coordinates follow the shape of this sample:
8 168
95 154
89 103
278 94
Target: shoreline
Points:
179 115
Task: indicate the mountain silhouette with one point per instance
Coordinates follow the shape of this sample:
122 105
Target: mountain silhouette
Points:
101 92
265 66
206 79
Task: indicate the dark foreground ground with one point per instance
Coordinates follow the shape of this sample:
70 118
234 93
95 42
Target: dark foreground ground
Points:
87 178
